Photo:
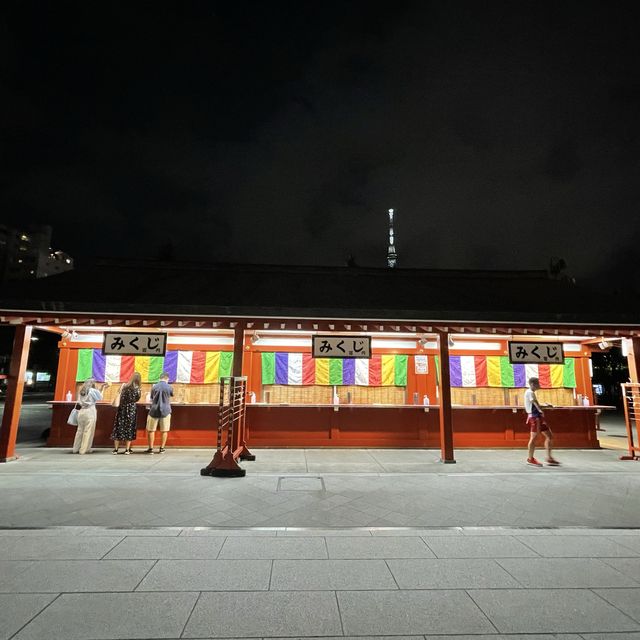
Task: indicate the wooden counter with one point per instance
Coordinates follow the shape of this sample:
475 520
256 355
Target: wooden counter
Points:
193 425
350 425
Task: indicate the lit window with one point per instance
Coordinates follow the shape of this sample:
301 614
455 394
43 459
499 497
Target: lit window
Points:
23 237
32 272
68 261
20 261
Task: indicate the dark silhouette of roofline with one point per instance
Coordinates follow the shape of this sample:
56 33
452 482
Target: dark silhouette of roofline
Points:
252 290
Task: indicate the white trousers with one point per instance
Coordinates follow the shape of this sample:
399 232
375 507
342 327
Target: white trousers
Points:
85 431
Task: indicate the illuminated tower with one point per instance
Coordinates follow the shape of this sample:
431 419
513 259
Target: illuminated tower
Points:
392 256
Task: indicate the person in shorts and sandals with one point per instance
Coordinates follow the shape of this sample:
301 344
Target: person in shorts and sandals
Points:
159 412
537 424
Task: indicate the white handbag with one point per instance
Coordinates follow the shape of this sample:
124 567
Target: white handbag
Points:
73 417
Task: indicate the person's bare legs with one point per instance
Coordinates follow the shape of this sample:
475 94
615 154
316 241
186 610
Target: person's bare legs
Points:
116 445
127 445
532 443
548 444
151 436
164 435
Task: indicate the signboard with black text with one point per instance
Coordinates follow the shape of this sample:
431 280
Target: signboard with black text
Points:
341 346
536 353
134 344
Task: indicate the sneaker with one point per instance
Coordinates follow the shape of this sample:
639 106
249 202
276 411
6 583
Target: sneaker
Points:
533 462
149 451
115 452
161 450
127 452
552 463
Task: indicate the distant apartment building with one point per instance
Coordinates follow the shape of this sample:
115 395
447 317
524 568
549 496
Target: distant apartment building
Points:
26 254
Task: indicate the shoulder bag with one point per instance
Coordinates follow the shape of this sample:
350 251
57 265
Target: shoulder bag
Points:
73 416
116 400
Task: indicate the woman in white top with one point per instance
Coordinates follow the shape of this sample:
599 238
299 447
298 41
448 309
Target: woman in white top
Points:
87 415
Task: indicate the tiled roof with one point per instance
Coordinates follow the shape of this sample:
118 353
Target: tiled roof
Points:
318 292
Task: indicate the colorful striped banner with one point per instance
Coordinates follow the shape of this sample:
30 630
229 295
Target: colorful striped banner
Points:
189 367
302 369
497 371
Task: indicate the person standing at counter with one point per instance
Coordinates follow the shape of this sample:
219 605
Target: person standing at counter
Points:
537 424
87 415
124 427
159 412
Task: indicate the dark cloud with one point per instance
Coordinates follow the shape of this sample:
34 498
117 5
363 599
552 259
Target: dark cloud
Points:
503 133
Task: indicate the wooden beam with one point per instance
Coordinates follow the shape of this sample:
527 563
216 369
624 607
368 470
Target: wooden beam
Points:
13 401
238 349
446 414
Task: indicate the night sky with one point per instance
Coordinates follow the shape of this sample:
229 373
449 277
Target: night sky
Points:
503 133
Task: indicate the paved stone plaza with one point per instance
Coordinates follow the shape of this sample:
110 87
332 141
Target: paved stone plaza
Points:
322 544
320 488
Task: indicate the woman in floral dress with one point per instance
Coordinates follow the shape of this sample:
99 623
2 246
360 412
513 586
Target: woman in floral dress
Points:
124 427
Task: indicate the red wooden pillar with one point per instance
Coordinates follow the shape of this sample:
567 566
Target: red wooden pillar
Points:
13 402
239 449
238 350
633 360
446 416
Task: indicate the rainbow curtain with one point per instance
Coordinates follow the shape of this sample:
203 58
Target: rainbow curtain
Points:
302 369
497 371
189 367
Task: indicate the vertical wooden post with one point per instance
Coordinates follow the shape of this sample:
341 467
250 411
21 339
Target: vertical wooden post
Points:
13 401
62 374
239 449
446 416
238 350
633 360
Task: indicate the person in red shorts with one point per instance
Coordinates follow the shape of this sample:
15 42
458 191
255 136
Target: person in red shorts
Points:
537 424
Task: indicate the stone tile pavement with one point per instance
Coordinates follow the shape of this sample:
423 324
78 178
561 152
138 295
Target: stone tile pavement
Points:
320 489
500 583
121 547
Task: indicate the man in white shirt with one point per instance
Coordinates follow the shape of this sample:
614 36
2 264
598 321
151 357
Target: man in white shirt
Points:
537 424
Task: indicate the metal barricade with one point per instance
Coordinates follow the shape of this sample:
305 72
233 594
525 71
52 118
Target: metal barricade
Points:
230 444
631 401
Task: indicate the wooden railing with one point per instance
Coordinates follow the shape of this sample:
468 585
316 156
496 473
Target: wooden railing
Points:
631 401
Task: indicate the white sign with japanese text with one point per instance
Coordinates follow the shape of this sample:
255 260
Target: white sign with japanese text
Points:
134 344
422 364
536 353
341 346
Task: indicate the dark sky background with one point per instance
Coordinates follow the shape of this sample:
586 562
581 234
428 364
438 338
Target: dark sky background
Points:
503 133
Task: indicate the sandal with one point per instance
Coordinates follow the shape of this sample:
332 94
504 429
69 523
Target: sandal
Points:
115 452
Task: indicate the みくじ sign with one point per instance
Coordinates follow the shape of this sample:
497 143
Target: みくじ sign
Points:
134 344
341 346
536 353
